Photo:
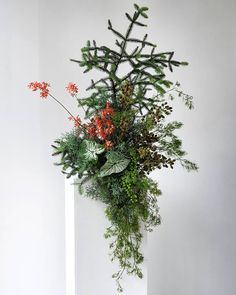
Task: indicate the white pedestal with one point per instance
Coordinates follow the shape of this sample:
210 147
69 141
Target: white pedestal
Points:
88 266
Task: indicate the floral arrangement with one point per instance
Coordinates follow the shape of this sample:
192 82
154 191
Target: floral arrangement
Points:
125 136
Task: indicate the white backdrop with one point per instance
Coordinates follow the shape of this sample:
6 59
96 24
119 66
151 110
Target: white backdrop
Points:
193 251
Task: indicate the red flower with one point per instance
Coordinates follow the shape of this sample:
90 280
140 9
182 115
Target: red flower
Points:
43 87
108 144
77 121
91 130
109 130
108 111
72 89
101 125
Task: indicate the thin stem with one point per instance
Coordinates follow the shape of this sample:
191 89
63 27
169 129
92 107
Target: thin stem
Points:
61 105
82 108
120 274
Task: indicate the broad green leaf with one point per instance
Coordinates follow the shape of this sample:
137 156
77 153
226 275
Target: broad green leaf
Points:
91 149
116 162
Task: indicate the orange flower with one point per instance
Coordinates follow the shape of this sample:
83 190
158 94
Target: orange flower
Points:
108 111
108 144
72 89
43 87
90 129
77 121
109 130
101 125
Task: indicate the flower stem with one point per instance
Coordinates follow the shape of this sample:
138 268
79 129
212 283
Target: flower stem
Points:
61 105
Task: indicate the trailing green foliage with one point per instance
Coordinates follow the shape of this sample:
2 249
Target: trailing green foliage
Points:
126 136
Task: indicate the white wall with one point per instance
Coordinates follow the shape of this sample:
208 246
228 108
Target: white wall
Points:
193 250
31 190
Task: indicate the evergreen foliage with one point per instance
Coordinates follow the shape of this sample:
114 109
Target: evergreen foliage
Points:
126 136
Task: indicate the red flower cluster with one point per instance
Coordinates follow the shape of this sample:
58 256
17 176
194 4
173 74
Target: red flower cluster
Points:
77 121
101 125
108 144
43 87
72 89
107 112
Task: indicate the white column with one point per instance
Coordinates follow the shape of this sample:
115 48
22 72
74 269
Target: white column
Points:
93 268
70 237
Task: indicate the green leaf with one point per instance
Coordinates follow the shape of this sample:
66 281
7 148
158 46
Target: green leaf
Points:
144 8
84 49
116 163
160 89
136 6
88 43
109 24
56 153
117 33
90 149
188 165
129 17
144 14
140 24
167 83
